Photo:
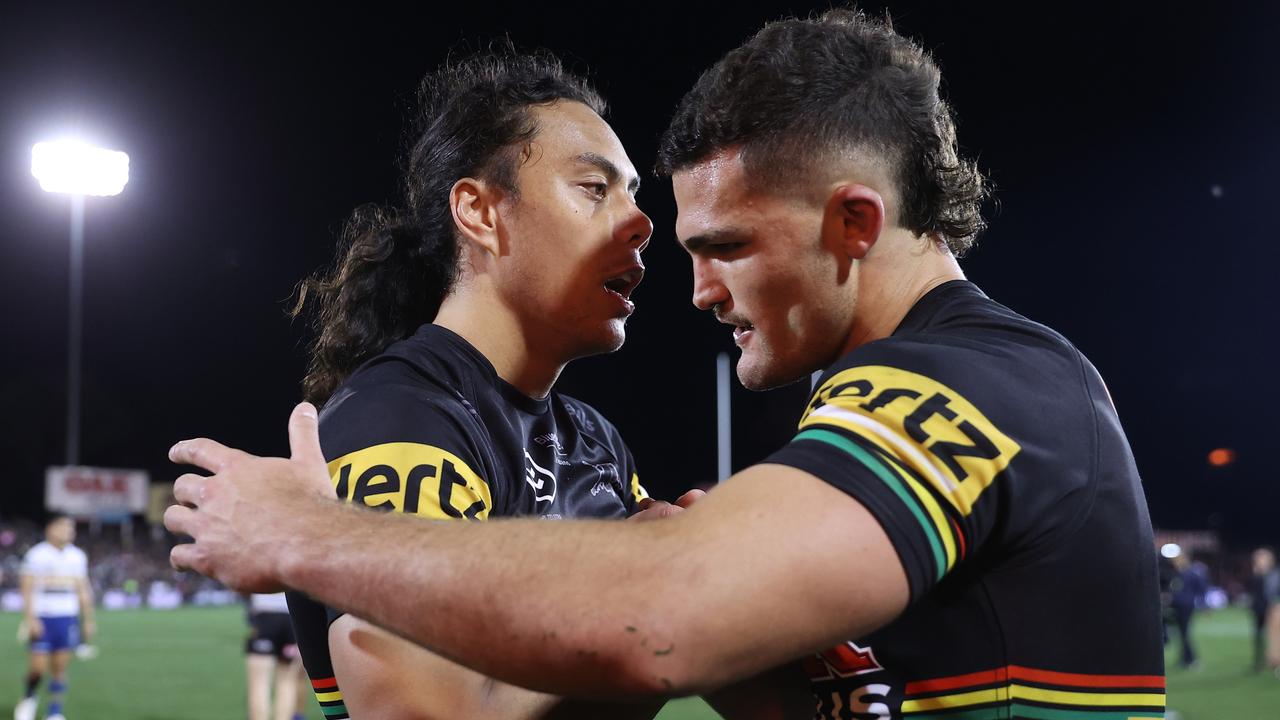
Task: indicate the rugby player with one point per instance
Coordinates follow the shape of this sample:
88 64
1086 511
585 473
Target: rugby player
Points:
958 483
271 658
440 332
56 595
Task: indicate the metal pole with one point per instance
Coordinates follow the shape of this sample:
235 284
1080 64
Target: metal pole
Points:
723 428
73 330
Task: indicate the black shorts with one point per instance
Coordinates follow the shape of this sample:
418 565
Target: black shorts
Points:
271 633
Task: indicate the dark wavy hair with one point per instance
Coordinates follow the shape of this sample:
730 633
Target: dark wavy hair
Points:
801 93
395 266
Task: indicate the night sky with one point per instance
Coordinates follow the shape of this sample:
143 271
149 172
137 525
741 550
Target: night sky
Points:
1133 151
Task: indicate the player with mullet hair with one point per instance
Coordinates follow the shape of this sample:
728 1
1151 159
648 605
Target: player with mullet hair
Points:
958 482
439 333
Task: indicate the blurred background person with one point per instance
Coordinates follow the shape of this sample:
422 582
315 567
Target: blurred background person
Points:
1264 590
55 593
1187 591
271 653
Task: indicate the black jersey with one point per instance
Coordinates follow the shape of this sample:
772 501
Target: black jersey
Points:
988 448
429 429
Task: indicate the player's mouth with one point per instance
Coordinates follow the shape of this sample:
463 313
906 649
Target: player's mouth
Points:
621 286
743 329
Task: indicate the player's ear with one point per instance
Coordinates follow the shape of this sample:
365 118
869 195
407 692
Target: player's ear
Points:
852 220
474 204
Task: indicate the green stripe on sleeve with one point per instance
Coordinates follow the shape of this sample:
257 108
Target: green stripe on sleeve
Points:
334 710
890 478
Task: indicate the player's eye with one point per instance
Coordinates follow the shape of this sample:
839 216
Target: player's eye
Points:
724 248
597 190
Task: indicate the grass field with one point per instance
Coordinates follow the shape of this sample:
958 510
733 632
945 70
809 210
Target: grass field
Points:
187 665
170 665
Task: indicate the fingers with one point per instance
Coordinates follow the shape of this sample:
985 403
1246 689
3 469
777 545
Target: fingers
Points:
304 434
189 489
690 497
205 453
179 519
644 504
656 510
183 557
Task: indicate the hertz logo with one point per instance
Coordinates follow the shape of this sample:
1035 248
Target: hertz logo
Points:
414 479
920 423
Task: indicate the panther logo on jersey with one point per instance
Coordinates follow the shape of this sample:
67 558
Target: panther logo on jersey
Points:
542 480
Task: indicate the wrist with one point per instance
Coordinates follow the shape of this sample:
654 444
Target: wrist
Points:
302 547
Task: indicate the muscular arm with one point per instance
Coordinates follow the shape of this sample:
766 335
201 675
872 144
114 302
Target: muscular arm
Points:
773 565
745 580
386 676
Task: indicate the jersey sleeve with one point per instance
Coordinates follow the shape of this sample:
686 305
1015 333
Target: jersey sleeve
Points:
394 448
915 451
631 476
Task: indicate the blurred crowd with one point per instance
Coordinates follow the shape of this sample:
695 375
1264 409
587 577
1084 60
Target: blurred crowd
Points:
128 567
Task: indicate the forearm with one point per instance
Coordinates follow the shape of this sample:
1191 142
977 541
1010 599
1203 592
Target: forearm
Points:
463 590
737 584
384 676
28 598
744 580
86 602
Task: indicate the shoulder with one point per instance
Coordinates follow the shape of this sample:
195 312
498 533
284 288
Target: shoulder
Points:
976 351
37 552
393 402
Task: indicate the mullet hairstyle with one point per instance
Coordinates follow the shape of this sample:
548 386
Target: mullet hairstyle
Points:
395 266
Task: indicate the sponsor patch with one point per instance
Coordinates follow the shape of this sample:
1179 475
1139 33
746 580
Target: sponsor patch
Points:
919 422
412 478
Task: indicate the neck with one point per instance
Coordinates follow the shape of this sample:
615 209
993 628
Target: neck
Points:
493 329
892 280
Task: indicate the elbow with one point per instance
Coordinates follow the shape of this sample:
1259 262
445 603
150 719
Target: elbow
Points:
644 675
661 657
661 647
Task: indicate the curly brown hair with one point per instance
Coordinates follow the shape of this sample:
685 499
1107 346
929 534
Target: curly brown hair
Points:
801 92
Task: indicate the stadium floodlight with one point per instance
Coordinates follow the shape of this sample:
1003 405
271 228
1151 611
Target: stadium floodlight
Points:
76 168
1170 550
